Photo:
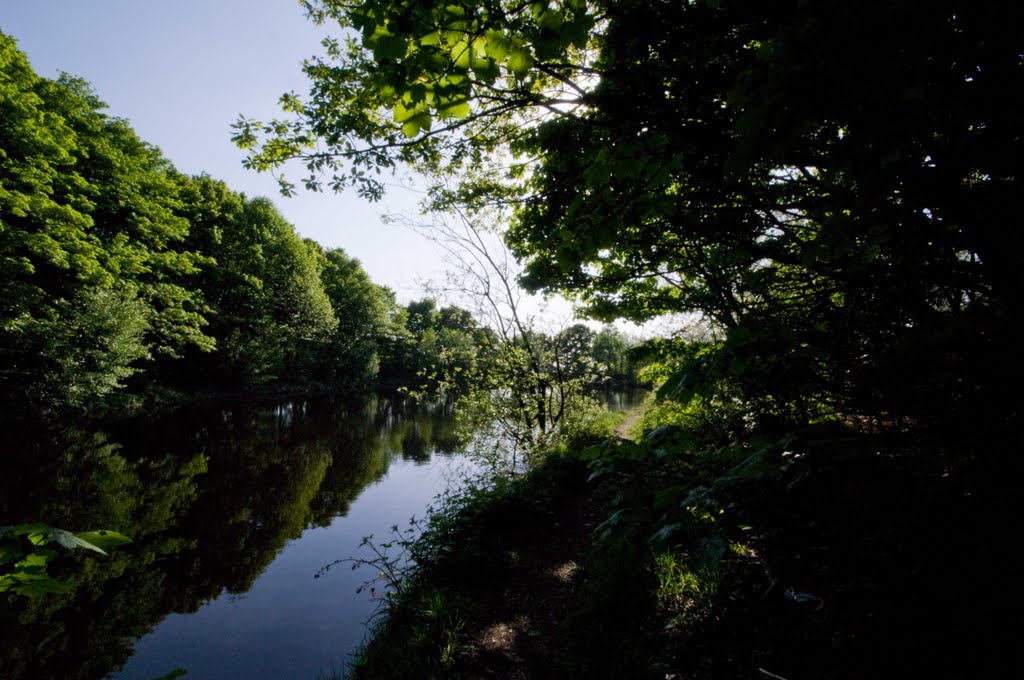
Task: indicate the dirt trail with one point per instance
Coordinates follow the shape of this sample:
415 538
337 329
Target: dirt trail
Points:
524 633
632 416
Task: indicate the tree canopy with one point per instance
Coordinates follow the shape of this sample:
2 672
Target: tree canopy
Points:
832 185
122 278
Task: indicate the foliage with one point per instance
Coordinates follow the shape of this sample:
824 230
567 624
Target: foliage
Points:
121 276
84 351
470 540
27 549
87 223
361 308
838 213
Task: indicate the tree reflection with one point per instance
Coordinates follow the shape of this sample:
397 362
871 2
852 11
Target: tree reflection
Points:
209 496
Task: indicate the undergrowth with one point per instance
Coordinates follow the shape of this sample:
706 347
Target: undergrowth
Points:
717 550
657 563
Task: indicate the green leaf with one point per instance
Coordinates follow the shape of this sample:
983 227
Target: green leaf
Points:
33 566
104 538
550 20
520 61
411 128
547 47
456 110
486 70
70 541
390 47
36 532
497 46
433 38
462 54
403 111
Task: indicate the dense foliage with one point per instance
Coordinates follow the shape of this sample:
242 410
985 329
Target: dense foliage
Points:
831 187
122 278
827 191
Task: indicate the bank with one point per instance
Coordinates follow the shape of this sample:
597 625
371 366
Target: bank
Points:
835 551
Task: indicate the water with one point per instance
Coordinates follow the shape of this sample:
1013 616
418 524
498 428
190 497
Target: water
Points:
232 510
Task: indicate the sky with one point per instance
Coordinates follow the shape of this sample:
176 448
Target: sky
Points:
182 71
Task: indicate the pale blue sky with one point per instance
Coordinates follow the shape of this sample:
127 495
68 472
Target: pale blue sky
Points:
181 71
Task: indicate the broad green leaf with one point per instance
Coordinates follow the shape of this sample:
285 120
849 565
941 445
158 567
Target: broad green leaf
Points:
33 564
456 110
479 48
577 31
36 532
462 54
390 47
452 80
410 129
371 38
520 61
70 541
547 47
550 20
104 538
433 38
64 538
497 46
402 112
486 70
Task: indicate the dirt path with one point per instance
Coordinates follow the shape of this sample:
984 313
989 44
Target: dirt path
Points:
632 416
524 633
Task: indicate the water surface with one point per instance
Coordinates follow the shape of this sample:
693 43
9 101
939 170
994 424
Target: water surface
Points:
232 509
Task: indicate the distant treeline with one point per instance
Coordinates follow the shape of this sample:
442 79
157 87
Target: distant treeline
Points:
122 278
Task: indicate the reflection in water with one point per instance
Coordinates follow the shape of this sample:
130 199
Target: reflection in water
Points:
210 496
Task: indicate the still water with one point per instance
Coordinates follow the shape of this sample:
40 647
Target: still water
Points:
232 510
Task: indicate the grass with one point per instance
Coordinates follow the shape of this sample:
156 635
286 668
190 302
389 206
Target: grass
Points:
681 588
809 555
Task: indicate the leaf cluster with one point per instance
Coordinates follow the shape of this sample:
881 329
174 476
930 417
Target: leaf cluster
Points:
27 549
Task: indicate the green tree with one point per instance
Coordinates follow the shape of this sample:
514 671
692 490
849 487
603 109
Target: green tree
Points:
268 311
361 307
86 350
94 278
134 206
831 186
573 352
610 349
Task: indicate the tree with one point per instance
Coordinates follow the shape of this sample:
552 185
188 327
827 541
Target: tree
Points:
519 398
610 349
573 352
832 186
269 310
361 308
93 277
